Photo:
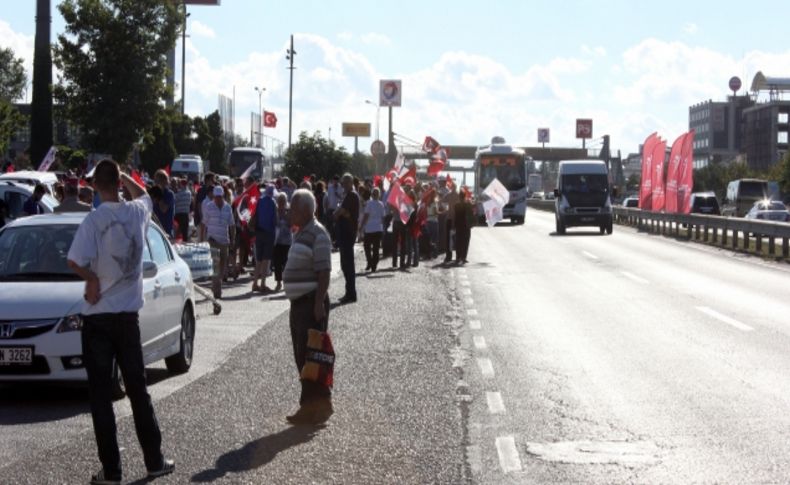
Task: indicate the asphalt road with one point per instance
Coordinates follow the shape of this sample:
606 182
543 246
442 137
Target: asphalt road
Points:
583 358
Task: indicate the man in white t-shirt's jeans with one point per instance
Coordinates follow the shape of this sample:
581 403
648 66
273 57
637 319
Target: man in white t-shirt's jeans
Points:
107 253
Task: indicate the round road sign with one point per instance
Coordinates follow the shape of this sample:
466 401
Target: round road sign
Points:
735 84
378 148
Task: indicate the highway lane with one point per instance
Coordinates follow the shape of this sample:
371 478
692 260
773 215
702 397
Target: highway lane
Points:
623 358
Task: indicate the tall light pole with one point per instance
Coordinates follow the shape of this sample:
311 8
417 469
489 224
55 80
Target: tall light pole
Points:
378 112
290 53
183 56
260 116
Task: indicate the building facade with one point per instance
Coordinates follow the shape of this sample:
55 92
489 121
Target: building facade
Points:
718 127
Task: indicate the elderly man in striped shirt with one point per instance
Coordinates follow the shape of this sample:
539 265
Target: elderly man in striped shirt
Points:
306 280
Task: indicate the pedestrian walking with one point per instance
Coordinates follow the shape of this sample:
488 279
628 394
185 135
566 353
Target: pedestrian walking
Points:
183 204
204 194
447 206
464 219
265 231
347 220
219 228
373 228
432 226
165 207
332 199
306 279
283 239
107 252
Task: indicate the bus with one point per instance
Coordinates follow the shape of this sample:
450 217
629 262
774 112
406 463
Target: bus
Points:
242 158
509 165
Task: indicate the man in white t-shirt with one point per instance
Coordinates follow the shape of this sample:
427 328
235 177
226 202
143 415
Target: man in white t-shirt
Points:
107 253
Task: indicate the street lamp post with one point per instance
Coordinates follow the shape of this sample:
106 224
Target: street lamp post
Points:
378 112
183 56
290 53
260 116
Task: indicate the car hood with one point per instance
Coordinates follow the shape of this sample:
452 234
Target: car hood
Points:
25 300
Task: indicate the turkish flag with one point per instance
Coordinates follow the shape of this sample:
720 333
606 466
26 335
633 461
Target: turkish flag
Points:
167 170
401 202
376 180
450 184
269 119
438 161
410 177
430 145
137 178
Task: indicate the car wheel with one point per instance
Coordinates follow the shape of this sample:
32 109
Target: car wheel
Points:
560 227
602 229
609 229
118 390
182 361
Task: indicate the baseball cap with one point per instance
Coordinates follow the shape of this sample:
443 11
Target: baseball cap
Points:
219 192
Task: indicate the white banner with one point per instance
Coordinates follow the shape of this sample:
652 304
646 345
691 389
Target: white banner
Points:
493 212
498 197
48 160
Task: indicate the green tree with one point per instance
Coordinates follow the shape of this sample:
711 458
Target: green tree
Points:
216 150
10 121
362 165
113 60
315 155
12 76
159 149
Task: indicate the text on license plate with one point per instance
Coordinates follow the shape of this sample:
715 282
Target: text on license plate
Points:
16 355
588 219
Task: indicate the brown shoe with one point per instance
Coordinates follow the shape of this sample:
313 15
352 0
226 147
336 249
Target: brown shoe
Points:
312 413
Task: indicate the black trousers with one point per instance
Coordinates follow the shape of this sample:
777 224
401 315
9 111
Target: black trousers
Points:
462 237
106 339
183 225
301 320
345 243
279 258
371 244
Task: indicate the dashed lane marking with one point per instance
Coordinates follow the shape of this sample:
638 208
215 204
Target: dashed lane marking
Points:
724 318
479 340
590 255
495 403
475 325
475 459
469 302
634 277
486 367
471 312
508 454
466 291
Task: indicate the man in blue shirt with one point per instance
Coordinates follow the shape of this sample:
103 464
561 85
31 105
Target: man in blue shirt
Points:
165 207
31 206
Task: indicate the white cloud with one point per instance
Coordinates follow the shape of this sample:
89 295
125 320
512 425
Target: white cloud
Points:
200 29
345 36
690 28
373 38
22 46
597 51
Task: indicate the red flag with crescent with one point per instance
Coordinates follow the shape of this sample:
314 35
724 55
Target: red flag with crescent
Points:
269 119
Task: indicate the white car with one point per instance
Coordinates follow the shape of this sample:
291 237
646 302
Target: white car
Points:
769 210
31 178
41 299
15 194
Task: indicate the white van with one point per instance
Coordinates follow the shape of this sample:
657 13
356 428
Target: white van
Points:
582 196
190 167
32 178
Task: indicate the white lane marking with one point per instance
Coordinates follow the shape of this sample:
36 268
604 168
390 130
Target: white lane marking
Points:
634 277
475 324
462 276
486 367
475 458
495 403
508 454
465 283
589 255
471 312
479 340
469 302
724 318
466 291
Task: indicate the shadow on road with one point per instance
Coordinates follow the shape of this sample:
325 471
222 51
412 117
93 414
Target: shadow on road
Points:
576 233
258 453
26 403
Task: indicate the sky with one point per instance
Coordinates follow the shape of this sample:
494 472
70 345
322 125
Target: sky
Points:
470 69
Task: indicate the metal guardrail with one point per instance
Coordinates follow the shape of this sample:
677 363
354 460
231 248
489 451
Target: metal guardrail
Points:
733 232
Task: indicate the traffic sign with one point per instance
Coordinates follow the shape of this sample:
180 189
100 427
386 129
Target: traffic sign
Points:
378 148
356 129
584 128
544 135
735 84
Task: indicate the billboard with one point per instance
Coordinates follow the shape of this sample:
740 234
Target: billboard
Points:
390 92
584 128
356 129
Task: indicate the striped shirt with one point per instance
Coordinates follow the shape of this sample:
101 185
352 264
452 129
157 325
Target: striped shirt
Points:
310 253
218 221
183 201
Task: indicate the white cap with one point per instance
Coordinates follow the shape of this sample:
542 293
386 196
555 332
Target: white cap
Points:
219 191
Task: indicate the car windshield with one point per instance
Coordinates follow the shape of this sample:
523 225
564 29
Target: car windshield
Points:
36 252
584 183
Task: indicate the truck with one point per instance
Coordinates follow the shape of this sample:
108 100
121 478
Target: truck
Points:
535 183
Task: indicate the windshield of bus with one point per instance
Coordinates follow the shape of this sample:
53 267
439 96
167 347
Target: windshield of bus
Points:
507 169
753 189
585 183
241 160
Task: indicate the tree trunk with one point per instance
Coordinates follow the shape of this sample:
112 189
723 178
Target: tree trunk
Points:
41 108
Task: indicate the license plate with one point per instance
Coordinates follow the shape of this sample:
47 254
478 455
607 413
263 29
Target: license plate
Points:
587 219
16 355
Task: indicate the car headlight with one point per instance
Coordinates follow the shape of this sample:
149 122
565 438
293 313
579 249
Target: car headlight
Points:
72 323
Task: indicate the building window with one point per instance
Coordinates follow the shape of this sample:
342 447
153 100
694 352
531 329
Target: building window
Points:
782 118
781 138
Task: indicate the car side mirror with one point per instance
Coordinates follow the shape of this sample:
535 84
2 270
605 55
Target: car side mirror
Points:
556 192
150 269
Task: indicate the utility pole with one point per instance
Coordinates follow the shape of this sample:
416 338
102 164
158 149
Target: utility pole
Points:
183 57
260 116
290 56
41 104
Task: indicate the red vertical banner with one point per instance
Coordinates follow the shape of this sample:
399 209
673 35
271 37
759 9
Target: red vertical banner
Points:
686 174
673 170
646 187
657 175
